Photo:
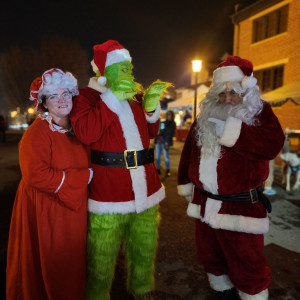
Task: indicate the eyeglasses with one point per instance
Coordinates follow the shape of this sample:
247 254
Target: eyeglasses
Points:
64 95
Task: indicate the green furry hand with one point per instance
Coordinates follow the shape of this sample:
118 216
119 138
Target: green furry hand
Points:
153 94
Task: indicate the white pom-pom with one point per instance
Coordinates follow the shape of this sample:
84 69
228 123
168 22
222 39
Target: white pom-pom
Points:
248 82
102 80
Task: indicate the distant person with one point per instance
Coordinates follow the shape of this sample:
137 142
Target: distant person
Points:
164 140
3 128
186 118
224 163
47 238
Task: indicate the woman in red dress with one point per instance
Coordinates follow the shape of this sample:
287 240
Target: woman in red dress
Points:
47 239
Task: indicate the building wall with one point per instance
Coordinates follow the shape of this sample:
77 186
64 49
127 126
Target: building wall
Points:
282 48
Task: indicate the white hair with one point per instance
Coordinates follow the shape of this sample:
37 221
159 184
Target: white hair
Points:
211 107
58 79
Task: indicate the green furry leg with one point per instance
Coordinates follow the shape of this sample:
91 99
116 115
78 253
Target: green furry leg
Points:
141 242
105 233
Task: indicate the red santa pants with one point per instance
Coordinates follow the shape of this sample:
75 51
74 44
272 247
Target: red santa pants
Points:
236 254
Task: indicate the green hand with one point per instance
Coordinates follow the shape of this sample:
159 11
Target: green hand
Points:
153 94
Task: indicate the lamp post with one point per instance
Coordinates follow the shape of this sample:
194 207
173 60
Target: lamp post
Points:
197 65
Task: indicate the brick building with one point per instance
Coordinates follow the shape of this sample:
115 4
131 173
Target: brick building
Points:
267 32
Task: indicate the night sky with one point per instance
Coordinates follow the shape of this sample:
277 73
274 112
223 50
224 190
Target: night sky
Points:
161 36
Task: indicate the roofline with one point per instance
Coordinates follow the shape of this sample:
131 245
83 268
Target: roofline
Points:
252 9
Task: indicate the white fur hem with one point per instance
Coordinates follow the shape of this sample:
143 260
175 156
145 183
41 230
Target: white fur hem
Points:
219 283
155 116
185 189
124 207
232 130
263 295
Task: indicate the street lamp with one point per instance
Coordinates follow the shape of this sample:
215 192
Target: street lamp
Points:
197 65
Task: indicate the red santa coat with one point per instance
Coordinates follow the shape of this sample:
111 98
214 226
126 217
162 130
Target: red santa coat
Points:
47 239
104 123
244 165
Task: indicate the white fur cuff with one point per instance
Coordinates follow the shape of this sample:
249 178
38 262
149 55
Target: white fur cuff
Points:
231 132
263 295
219 283
155 116
185 189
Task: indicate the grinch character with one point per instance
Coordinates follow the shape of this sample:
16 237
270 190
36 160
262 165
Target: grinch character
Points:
116 120
224 163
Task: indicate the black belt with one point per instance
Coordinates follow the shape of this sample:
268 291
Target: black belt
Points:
129 159
254 195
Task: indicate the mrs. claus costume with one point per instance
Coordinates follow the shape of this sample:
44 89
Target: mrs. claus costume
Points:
122 201
47 239
229 232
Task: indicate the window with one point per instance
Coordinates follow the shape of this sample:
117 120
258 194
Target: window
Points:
270 24
269 79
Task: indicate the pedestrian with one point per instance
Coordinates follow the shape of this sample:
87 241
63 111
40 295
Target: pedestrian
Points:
164 140
47 238
224 163
116 121
3 128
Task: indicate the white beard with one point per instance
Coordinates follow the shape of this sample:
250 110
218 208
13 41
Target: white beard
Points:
206 131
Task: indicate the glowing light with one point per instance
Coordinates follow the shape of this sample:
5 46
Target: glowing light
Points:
13 113
30 110
197 65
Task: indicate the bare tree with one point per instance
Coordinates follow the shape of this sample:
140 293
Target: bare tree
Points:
19 66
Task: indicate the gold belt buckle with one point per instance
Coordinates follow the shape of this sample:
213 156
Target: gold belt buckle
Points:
251 196
134 156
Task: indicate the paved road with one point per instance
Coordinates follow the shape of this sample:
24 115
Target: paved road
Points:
178 274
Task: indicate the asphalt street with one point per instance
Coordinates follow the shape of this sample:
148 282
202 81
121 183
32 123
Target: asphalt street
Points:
178 273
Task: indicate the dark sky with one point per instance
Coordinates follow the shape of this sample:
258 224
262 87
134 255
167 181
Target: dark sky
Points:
161 36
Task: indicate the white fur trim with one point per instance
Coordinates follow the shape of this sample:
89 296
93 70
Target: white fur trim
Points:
219 283
112 102
155 116
231 132
248 82
93 84
263 295
117 56
193 210
124 207
94 66
61 183
185 189
102 80
228 73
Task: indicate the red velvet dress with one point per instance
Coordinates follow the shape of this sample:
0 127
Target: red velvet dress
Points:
47 240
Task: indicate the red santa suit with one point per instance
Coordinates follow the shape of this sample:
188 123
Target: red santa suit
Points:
106 124
47 239
240 163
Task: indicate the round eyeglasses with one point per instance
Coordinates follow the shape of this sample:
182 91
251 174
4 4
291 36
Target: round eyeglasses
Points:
56 97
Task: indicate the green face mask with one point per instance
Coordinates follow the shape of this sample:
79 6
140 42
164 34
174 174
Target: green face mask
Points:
121 81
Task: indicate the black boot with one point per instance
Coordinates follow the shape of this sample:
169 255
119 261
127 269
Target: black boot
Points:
231 294
158 171
168 172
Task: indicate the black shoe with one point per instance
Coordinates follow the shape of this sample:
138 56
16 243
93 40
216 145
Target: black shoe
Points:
231 294
168 173
158 171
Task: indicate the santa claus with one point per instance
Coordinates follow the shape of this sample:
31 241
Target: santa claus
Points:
223 166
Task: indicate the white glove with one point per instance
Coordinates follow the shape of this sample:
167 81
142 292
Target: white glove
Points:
189 198
219 126
91 175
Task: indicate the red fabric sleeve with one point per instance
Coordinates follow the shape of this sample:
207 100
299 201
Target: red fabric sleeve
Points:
262 142
183 170
90 116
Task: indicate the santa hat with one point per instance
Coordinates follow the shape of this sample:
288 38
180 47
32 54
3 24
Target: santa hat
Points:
50 81
106 54
237 69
